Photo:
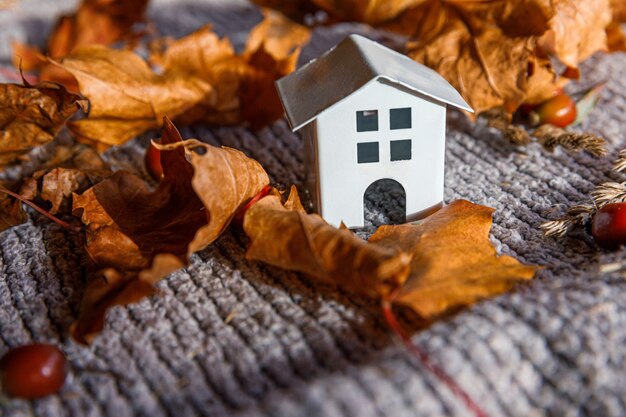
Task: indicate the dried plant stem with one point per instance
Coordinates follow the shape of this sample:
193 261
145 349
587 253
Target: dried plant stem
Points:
40 210
620 163
547 135
500 120
603 194
425 360
551 137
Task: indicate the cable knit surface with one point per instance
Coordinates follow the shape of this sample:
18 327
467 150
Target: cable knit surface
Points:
228 337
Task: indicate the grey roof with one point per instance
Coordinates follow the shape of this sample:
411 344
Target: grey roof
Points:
350 65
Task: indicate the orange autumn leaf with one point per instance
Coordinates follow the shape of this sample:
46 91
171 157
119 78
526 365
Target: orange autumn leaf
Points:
137 236
202 80
497 53
32 116
95 22
453 264
126 97
287 237
615 33
368 11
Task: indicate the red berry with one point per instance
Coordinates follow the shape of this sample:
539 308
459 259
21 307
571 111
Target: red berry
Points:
609 226
559 111
153 162
32 371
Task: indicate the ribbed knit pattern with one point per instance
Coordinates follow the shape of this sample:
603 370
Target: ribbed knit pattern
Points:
229 337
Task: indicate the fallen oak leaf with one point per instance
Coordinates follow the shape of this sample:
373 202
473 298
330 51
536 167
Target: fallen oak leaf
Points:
453 262
31 116
295 240
136 236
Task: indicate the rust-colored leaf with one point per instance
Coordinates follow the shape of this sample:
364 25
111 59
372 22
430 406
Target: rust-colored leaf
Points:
271 52
11 210
454 264
202 80
616 37
295 240
32 115
137 236
497 53
95 22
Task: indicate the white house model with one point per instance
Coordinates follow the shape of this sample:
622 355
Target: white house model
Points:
369 113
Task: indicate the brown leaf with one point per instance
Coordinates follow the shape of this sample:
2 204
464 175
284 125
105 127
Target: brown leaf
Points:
95 22
616 37
496 53
454 264
202 80
32 115
304 242
126 97
137 236
11 210
271 52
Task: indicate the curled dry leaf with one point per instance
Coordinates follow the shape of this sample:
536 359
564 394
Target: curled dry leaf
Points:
202 80
441 264
453 262
95 22
615 33
372 12
497 53
32 115
11 210
292 239
136 236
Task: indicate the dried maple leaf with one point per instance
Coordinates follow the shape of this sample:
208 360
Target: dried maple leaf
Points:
616 37
32 115
11 210
496 53
137 236
202 80
95 22
454 264
295 240
126 97
368 11
271 52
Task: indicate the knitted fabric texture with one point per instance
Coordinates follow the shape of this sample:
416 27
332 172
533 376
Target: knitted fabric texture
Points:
229 337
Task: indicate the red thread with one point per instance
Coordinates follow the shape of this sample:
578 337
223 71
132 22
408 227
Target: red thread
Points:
425 360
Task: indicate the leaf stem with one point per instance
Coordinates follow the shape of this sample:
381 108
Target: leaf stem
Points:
40 210
425 360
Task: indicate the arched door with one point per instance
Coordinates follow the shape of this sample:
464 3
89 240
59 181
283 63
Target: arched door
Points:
384 202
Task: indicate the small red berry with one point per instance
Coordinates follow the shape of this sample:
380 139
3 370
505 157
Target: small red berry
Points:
32 371
559 111
609 226
153 162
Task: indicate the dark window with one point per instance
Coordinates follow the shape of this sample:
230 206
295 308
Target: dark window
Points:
366 120
400 118
400 150
367 152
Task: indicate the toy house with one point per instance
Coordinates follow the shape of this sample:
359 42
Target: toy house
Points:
368 113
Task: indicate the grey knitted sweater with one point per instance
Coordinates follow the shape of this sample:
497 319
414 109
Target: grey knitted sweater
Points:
232 337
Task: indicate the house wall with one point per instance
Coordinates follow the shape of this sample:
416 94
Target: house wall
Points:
343 181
